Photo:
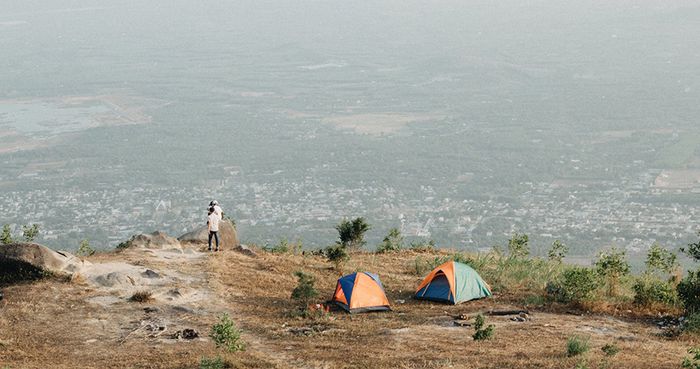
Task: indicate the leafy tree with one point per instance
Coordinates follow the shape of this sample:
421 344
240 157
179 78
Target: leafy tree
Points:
660 259
337 255
693 249
612 265
392 242
558 251
30 232
352 232
6 235
518 246
689 291
305 290
84 249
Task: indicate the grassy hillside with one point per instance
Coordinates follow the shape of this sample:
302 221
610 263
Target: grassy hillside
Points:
58 324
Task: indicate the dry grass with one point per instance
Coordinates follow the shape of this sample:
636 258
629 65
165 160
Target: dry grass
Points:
49 324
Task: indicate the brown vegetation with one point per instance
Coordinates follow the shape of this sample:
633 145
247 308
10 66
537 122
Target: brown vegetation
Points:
53 324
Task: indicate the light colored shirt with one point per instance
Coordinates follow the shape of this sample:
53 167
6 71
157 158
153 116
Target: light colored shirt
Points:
213 221
218 211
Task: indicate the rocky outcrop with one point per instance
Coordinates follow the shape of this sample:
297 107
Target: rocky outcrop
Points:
155 240
41 257
228 237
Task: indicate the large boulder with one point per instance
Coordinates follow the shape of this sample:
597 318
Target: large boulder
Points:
155 240
41 258
228 237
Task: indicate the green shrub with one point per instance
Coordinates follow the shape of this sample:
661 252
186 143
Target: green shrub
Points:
612 265
610 349
392 242
126 244
660 260
336 254
84 249
689 291
214 363
558 251
576 345
226 335
576 285
481 333
6 235
285 247
692 362
305 290
30 232
691 323
693 249
649 290
518 246
352 232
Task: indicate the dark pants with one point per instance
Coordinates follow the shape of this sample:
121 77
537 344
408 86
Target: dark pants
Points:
216 236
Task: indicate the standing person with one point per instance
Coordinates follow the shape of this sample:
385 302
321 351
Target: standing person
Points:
213 225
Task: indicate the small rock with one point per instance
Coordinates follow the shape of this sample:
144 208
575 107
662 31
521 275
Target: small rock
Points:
150 274
149 310
183 309
400 301
245 250
187 334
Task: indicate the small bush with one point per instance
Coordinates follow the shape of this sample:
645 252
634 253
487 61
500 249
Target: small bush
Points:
226 335
649 290
660 260
304 291
518 246
285 247
126 244
558 251
6 235
577 284
692 362
141 296
84 249
30 232
481 333
336 254
610 349
693 249
392 242
576 345
213 363
689 291
612 265
691 324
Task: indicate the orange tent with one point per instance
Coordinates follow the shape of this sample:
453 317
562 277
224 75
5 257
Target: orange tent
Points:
360 292
453 282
